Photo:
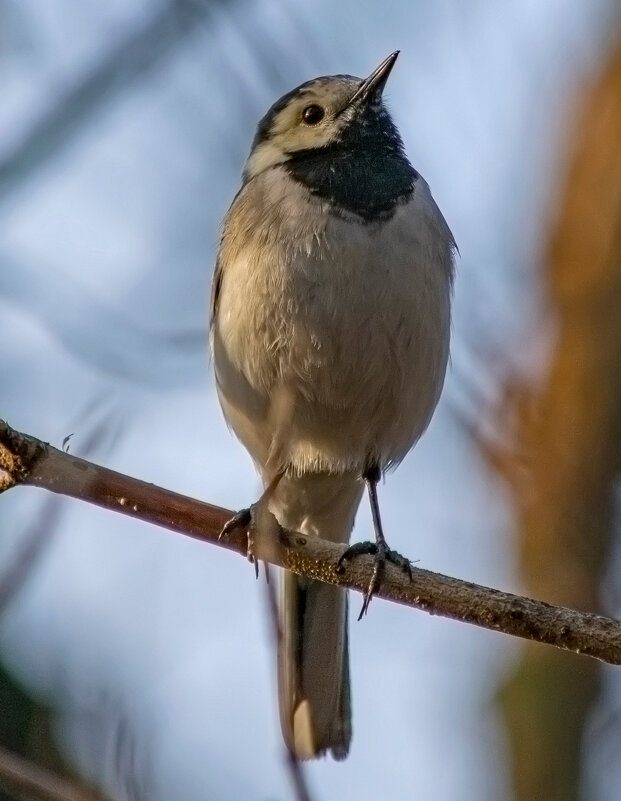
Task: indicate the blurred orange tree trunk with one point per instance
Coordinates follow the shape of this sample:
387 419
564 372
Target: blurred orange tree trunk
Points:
573 441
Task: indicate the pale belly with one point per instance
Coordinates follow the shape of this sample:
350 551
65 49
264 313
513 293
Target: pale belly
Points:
336 358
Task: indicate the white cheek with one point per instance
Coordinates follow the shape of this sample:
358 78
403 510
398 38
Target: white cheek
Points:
307 138
275 151
264 156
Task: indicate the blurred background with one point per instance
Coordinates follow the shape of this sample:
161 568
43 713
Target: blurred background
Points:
142 662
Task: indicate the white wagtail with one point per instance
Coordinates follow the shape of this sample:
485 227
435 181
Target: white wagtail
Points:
330 322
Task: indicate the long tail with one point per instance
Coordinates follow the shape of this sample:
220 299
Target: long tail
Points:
313 676
313 659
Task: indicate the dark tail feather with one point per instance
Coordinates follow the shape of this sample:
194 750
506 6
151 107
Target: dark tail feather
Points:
313 668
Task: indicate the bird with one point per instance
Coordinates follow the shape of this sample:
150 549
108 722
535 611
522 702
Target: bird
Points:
329 329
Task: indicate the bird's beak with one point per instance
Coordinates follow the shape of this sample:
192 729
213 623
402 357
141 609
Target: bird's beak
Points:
374 85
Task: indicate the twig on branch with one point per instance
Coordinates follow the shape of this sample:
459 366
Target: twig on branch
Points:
27 781
29 461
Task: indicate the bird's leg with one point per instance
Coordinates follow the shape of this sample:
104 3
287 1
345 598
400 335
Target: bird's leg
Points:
378 549
246 518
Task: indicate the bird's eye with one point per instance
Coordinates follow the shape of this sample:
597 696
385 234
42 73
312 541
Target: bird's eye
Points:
313 114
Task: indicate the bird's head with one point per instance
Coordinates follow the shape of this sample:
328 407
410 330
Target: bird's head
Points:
332 112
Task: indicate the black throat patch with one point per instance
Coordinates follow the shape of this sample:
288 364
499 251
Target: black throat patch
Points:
366 172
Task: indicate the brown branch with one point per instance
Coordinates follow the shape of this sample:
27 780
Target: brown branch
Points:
27 460
27 781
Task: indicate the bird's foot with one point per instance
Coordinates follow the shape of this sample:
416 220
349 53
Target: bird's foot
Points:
263 533
243 519
382 554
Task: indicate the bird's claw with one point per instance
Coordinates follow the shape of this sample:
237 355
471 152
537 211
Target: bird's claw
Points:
382 554
243 519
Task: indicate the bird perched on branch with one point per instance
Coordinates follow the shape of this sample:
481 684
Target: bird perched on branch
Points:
330 321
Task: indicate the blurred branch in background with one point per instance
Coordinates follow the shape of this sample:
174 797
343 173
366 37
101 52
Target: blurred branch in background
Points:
29 782
24 722
569 428
34 542
130 59
29 461
33 768
25 729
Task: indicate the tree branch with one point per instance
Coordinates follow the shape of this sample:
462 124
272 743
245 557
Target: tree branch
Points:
29 461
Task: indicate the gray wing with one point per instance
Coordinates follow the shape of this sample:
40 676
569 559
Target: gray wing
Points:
216 286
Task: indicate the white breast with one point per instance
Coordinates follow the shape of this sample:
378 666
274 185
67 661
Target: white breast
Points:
331 336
